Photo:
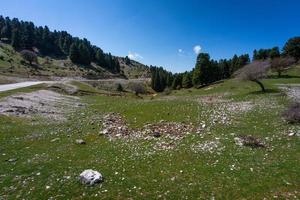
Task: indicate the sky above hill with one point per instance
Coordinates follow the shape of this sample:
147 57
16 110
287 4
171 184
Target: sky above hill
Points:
167 33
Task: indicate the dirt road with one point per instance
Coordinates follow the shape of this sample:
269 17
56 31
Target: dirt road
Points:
13 86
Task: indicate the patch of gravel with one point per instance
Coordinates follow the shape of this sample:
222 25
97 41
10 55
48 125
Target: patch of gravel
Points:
115 127
213 146
293 91
43 103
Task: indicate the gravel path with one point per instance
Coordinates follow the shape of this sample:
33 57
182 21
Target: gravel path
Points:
13 86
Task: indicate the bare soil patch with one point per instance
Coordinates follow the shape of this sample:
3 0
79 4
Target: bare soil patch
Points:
43 103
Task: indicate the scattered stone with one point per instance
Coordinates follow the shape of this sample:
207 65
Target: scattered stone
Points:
115 126
55 139
80 141
250 141
292 134
12 160
213 146
90 177
156 134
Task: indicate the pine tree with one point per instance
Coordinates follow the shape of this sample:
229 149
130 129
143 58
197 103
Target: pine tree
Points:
292 48
202 73
15 41
74 53
274 53
157 83
84 54
197 73
187 80
255 56
100 58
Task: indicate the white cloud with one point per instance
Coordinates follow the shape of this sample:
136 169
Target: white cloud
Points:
180 51
197 49
134 56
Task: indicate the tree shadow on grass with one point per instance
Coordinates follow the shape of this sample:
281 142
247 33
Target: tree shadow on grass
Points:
267 91
282 76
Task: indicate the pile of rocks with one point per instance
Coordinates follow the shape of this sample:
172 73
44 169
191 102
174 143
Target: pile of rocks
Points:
170 129
115 126
249 141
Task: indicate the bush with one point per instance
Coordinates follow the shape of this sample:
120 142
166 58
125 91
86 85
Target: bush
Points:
119 88
29 56
167 91
138 88
292 114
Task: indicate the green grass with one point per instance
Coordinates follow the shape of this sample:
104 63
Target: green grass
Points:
133 170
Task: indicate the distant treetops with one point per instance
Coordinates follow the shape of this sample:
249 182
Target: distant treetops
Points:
207 70
26 36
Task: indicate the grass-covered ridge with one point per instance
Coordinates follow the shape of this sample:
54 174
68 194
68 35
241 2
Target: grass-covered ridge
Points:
201 165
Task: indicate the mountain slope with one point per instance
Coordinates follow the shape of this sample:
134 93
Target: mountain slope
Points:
12 64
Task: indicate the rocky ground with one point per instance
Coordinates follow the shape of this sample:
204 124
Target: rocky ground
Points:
293 91
45 103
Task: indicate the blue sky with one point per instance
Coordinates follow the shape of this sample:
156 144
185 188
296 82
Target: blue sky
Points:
166 32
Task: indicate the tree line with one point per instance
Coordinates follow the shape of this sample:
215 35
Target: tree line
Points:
207 70
23 35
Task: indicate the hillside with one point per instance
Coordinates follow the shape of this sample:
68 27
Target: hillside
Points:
12 64
60 54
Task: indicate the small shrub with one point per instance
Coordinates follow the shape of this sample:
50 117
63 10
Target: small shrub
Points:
167 91
292 114
29 56
119 88
249 141
138 88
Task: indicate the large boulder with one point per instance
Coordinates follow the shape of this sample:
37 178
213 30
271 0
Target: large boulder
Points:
90 177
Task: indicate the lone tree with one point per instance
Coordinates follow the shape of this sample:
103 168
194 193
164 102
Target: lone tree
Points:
280 64
29 56
254 71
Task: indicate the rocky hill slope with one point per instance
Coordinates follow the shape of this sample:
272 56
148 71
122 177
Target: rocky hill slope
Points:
49 68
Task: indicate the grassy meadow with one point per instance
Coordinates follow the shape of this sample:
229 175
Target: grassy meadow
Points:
39 158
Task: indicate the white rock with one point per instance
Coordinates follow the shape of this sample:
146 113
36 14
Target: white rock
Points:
105 131
90 177
238 141
55 139
80 141
292 134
